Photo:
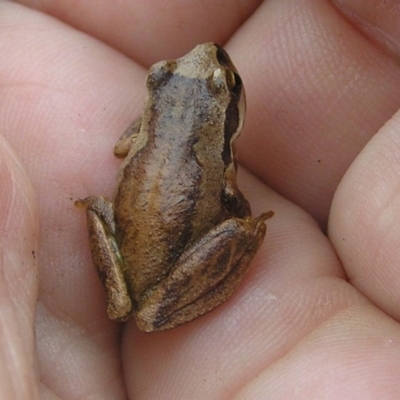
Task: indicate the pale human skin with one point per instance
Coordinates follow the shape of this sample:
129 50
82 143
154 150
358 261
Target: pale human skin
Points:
317 317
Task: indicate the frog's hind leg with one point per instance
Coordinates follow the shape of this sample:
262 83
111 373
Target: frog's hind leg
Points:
106 256
205 275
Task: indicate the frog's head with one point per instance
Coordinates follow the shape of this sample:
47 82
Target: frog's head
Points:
204 87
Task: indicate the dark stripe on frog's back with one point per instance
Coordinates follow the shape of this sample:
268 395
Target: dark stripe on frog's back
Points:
176 185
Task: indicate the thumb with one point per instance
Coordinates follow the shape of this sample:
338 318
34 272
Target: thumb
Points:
18 279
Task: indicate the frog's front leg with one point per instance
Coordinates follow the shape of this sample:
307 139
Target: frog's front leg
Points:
106 256
125 142
205 275
233 199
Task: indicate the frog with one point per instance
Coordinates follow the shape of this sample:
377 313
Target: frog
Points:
178 236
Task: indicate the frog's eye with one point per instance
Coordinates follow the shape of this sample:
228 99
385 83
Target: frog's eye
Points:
234 82
224 80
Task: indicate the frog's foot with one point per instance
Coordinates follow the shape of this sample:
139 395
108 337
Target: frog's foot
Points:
205 275
106 256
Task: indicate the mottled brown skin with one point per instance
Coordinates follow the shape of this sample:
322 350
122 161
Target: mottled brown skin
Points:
178 236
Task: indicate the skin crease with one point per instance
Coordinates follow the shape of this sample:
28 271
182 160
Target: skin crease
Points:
322 130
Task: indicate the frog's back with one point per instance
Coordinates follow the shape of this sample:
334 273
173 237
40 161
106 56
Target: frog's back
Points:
173 195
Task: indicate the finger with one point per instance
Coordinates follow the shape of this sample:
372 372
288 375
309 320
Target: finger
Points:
150 31
59 108
377 21
18 278
295 286
340 360
365 219
63 115
318 90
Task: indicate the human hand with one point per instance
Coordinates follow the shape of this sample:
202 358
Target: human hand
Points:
316 316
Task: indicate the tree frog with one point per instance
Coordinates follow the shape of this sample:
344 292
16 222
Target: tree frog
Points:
178 235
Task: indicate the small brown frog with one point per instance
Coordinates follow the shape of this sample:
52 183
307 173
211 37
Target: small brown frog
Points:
178 236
